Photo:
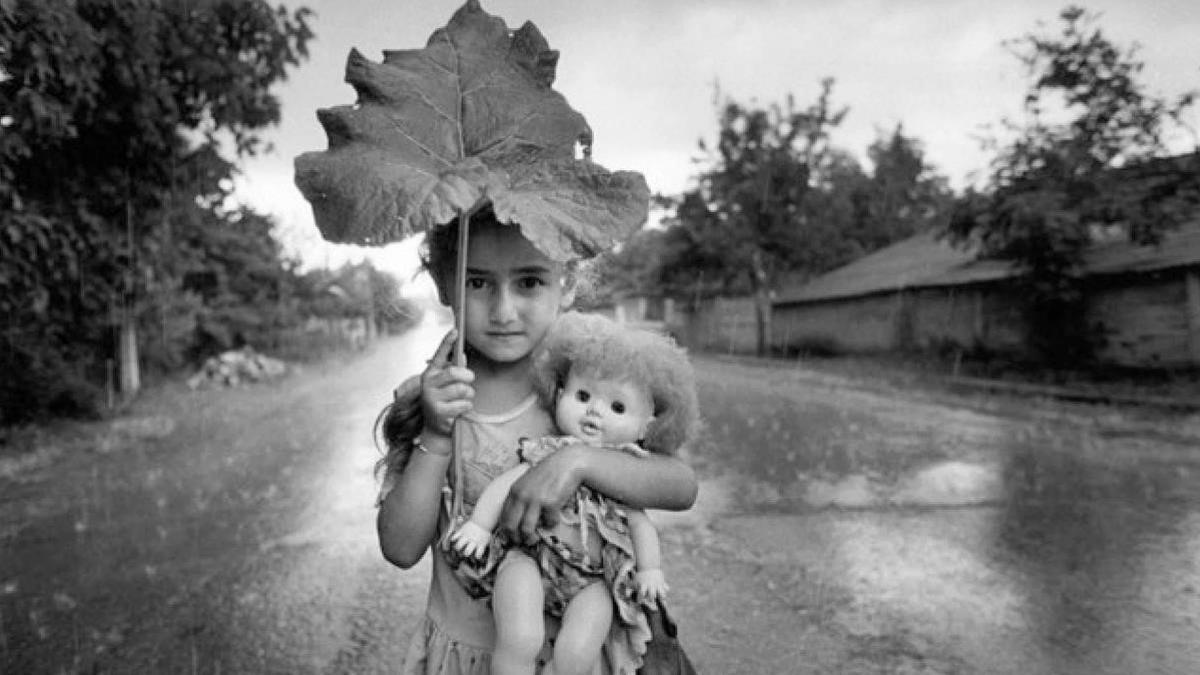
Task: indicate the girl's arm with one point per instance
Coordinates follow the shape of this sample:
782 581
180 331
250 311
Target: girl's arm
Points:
654 482
407 519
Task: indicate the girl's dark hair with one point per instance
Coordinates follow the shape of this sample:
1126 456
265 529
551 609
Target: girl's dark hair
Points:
440 249
398 425
439 253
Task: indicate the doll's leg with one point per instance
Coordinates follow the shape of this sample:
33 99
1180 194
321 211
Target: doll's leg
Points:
517 599
584 627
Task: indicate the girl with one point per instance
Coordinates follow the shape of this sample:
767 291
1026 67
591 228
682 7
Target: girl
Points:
609 387
514 293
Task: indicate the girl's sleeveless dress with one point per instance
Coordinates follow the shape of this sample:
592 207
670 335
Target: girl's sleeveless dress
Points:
590 543
457 634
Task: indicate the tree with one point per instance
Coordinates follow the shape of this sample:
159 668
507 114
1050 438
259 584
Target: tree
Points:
633 267
857 212
745 224
393 312
236 285
904 195
1090 156
106 106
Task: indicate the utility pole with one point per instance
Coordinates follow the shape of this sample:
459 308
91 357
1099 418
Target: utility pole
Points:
127 344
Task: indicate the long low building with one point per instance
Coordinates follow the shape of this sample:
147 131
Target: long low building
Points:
921 293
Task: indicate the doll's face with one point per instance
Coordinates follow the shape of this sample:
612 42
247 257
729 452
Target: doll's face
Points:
600 410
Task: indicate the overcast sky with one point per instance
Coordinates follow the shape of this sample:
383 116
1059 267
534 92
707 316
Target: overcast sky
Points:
643 71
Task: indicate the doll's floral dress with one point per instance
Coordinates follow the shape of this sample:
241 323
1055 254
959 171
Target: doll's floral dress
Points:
590 542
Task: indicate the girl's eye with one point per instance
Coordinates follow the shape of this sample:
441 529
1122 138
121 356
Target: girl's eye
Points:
530 283
476 283
582 396
618 407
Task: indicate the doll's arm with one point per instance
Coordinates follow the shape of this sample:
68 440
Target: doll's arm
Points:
652 585
473 536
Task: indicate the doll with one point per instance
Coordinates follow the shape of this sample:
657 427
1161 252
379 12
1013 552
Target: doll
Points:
611 388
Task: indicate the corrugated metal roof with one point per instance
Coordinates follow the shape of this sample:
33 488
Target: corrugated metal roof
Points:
922 261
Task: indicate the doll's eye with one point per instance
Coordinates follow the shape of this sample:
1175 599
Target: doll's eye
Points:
618 407
582 396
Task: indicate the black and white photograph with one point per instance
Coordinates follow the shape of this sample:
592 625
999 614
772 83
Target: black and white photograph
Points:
517 337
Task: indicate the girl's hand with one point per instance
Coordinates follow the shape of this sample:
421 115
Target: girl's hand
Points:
651 586
537 497
446 390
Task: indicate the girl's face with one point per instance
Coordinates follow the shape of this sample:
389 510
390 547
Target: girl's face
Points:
600 410
513 293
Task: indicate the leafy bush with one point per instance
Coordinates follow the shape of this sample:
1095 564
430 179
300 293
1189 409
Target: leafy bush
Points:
41 380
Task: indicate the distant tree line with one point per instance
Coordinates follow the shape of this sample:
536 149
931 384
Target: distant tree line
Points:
776 201
116 224
117 229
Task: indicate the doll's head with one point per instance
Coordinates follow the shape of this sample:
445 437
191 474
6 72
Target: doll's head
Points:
614 384
603 410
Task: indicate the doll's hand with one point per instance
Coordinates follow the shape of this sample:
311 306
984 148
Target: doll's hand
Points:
446 390
651 586
471 540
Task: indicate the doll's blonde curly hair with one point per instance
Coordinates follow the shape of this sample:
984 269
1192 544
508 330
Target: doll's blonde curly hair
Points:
609 350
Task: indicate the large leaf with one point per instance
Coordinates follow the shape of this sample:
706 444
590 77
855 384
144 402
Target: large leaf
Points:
469 119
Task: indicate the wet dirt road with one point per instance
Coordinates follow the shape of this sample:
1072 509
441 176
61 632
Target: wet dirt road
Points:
231 531
843 527
943 534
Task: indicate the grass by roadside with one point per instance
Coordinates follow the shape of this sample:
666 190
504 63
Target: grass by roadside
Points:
31 446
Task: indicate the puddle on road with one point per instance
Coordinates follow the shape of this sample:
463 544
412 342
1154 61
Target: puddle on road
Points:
944 484
1042 564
